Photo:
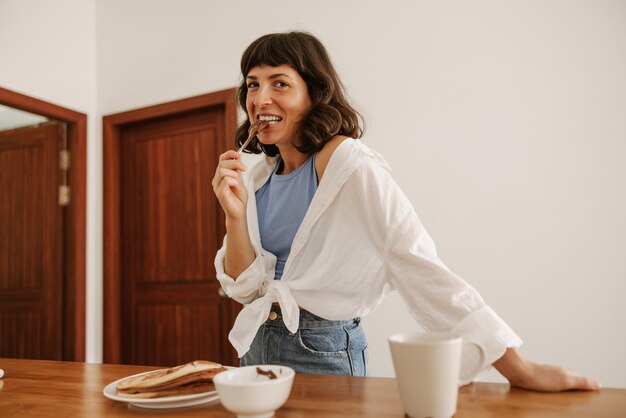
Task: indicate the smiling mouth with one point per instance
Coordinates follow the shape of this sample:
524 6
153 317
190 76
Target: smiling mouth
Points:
272 120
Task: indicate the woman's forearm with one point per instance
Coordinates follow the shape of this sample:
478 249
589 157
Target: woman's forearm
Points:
239 251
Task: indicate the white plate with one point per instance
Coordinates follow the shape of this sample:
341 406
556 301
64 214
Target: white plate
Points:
180 401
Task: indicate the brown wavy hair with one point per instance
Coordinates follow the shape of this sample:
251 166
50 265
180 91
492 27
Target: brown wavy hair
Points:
330 113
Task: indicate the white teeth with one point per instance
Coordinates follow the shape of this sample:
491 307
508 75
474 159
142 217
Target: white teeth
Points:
271 119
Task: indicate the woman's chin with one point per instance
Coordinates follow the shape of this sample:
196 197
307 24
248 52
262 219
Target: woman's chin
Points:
266 139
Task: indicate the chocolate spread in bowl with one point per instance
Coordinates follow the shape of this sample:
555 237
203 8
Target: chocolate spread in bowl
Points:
270 374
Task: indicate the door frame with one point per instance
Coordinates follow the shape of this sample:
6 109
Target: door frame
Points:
111 126
74 261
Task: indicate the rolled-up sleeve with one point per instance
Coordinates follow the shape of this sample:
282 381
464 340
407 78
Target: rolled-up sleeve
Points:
249 285
484 326
438 299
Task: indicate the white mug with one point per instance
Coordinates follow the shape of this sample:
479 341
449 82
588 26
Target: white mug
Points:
427 368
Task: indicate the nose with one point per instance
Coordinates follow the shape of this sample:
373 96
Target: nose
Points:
263 97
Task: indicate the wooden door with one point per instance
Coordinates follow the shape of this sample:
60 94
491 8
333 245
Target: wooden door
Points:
171 226
31 243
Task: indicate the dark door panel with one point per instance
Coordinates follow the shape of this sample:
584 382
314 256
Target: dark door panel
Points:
31 243
171 226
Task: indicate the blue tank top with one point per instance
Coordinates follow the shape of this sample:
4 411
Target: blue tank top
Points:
282 203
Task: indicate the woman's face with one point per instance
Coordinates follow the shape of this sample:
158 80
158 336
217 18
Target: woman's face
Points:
279 95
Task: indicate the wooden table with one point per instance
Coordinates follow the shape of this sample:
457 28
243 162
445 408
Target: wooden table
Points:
33 388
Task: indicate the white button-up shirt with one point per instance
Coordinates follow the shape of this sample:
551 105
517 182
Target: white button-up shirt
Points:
360 239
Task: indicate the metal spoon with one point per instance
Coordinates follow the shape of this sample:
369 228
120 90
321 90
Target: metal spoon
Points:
254 129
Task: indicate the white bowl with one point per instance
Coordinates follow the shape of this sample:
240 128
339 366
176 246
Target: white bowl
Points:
251 395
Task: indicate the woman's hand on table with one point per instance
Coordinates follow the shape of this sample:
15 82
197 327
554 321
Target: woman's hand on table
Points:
527 374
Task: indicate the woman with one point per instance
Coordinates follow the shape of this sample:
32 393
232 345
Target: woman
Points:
319 232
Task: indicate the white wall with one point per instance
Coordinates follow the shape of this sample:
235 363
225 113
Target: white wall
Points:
504 122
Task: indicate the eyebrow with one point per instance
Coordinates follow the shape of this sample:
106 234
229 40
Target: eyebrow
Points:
271 77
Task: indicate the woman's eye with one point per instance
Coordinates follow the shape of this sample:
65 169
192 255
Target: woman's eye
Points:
281 84
252 84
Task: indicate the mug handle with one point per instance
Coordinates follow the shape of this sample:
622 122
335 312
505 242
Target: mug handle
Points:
482 363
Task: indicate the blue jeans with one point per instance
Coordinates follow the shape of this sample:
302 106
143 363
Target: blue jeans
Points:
319 346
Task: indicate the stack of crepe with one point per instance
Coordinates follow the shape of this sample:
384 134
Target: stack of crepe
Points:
185 379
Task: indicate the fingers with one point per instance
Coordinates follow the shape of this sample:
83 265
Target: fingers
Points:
231 160
222 173
229 165
590 384
548 378
230 155
571 380
576 381
228 185
232 197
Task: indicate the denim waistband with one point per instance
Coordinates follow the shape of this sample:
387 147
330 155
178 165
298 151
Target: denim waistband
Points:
308 320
